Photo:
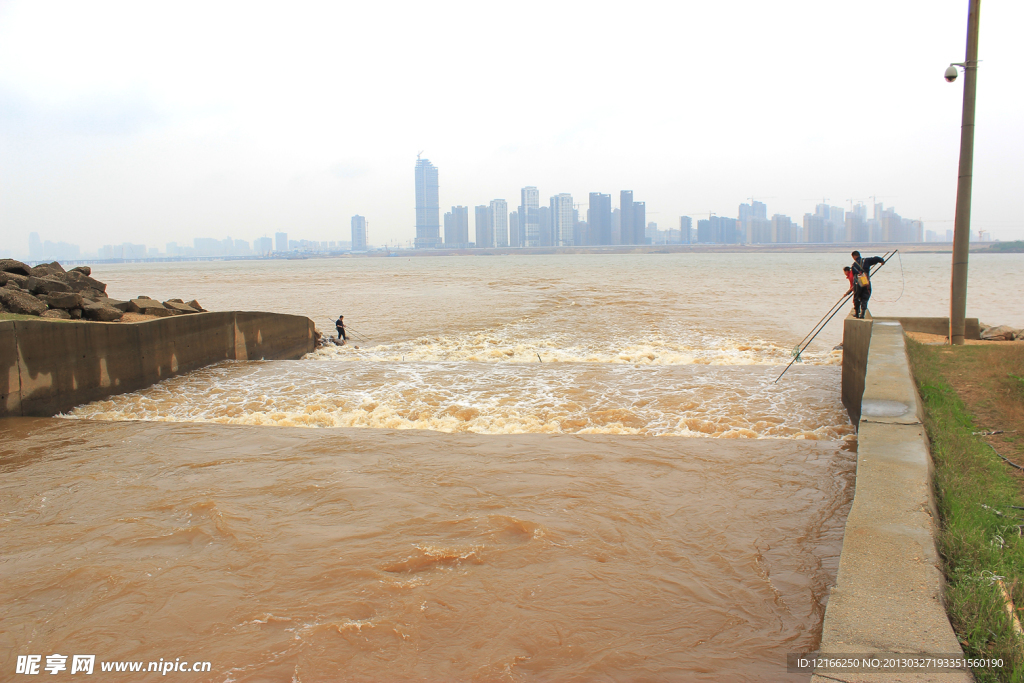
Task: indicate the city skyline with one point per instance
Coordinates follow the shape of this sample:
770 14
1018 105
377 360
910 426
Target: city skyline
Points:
559 225
111 135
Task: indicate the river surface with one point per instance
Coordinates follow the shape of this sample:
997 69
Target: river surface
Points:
542 468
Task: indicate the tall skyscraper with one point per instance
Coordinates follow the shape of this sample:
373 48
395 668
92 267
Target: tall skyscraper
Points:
515 235
599 218
856 227
484 236
35 247
262 246
498 213
627 228
456 228
814 229
784 229
754 226
358 233
529 218
639 223
428 208
281 242
563 220
685 229
544 219
632 219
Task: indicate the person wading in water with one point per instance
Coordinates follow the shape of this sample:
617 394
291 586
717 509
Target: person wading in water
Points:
862 282
340 326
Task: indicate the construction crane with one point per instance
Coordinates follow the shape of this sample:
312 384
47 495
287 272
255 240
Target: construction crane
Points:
694 214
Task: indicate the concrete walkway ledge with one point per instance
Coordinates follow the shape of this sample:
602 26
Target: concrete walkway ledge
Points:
888 592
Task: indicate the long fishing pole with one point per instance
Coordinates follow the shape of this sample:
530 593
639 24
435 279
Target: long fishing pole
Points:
796 356
839 303
357 333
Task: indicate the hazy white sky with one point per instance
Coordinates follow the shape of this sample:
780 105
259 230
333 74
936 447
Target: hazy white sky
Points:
163 121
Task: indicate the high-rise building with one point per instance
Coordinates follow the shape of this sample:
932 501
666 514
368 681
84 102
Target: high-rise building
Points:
704 235
685 229
456 228
856 228
515 235
529 218
753 210
815 229
428 208
562 220
632 219
280 242
263 246
599 219
784 229
449 229
544 221
717 230
35 247
498 213
639 223
581 233
358 233
627 226
484 236
754 226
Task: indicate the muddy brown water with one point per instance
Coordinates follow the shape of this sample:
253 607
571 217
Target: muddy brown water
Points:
316 555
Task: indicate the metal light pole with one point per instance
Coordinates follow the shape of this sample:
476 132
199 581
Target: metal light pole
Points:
962 221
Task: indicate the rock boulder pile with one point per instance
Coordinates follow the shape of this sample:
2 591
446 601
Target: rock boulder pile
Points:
1001 333
49 291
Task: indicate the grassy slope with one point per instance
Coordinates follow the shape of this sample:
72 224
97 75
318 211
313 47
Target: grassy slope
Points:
976 543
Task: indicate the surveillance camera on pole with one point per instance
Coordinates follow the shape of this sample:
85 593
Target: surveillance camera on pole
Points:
952 73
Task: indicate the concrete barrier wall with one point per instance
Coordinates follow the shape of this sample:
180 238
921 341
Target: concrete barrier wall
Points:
856 342
888 595
48 367
940 326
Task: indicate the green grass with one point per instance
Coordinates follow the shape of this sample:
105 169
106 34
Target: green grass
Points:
976 544
1017 382
19 316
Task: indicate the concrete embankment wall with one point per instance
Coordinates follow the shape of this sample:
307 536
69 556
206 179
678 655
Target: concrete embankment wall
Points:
48 367
888 595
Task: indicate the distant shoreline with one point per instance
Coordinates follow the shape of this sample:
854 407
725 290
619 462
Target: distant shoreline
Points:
917 247
789 248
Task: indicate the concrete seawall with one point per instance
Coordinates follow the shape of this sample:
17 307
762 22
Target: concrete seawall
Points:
888 595
47 367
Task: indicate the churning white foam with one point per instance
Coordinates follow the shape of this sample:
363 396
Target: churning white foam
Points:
489 398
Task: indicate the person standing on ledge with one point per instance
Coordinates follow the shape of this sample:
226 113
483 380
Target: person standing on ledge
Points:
861 269
340 326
